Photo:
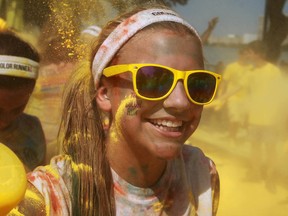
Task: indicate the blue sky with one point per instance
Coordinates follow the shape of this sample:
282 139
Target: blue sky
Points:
235 16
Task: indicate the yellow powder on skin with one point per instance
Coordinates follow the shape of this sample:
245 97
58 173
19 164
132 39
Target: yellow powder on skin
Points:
116 129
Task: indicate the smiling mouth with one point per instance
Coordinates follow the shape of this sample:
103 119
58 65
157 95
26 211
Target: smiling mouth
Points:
167 125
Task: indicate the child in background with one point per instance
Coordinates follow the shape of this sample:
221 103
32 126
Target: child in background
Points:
22 133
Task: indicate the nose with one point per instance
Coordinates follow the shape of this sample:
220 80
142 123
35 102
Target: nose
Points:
178 99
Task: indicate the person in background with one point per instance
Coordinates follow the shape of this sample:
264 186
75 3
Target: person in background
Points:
21 132
264 114
147 73
211 25
57 63
234 93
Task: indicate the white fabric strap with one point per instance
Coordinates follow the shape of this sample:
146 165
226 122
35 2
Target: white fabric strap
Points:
125 30
18 67
92 30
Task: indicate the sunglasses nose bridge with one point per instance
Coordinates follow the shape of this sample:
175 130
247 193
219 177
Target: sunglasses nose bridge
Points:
180 75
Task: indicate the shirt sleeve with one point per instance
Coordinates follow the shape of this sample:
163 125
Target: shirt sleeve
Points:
32 204
47 192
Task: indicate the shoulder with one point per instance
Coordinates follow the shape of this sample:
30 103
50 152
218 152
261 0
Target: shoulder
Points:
232 67
192 154
198 163
55 171
203 177
273 68
28 117
33 203
232 64
30 124
30 121
53 183
230 70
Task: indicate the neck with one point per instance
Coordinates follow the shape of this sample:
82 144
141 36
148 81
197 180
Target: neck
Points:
140 170
140 175
260 63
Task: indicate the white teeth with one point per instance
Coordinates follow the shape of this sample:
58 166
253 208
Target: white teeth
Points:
167 123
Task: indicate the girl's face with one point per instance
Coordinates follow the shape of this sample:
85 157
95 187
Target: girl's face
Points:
12 104
153 128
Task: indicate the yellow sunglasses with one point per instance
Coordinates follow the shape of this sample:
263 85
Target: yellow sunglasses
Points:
155 82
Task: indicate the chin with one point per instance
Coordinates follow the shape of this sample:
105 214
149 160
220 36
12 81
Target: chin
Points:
169 153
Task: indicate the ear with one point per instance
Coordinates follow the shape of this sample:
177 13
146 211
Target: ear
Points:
102 99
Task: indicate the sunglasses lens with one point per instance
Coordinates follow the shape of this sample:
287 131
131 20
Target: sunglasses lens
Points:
201 87
153 82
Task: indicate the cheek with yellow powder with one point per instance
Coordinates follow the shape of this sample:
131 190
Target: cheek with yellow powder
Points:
133 106
128 107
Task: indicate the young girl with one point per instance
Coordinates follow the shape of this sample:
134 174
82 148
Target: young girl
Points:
146 76
21 132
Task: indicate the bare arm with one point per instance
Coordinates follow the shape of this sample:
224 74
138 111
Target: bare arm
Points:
211 25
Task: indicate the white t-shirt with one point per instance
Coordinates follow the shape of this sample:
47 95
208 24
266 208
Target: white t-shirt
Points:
189 182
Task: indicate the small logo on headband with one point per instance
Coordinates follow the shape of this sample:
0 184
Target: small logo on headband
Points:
16 67
162 13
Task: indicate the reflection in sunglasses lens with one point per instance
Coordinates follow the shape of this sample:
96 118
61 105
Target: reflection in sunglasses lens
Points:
153 82
201 87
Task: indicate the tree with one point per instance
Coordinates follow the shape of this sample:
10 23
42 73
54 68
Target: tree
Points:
275 28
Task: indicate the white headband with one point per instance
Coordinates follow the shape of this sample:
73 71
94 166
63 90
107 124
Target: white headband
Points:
125 30
92 30
18 66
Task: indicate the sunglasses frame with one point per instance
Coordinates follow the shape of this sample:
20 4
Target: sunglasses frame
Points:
178 75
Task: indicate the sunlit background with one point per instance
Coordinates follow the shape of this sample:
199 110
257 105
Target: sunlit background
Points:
56 27
240 22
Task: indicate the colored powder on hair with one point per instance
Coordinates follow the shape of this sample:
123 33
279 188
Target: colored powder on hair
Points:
81 166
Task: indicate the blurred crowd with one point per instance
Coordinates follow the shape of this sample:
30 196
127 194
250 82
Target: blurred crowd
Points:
252 113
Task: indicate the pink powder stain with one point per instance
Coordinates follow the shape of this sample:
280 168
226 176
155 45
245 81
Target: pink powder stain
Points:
130 21
103 47
118 188
51 181
124 32
31 177
54 198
